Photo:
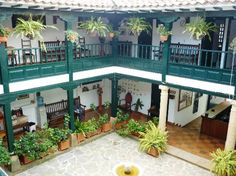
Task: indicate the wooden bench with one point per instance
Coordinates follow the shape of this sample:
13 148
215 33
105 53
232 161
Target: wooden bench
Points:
56 111
180 53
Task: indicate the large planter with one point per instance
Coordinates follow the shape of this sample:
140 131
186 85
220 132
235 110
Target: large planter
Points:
136 134
153 152
80 137
63 145
106 127
3 39
163 38
24 159
120 124
90 134
99 130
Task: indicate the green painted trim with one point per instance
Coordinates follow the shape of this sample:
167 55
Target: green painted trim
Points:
70 98
114 98
9 127
4 68
166 53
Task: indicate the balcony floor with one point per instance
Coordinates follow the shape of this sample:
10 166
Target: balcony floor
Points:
188 138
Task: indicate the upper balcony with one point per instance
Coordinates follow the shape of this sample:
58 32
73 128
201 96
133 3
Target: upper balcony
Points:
183 61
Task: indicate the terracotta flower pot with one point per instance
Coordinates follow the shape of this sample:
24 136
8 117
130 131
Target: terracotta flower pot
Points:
99 130
153 152
120 124
63 145
111 34
106 127
90 134
136 134
163 38
3 39
24 159
80 137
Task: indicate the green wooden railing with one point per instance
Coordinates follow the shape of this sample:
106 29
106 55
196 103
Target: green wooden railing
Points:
209 65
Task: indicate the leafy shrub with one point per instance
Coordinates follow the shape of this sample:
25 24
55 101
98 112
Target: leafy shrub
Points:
4 155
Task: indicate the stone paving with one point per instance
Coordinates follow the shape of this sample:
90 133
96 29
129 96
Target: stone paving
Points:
99 157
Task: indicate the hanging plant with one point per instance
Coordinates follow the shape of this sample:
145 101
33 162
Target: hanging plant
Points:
72 36
137 25
96 26
164 33
4 33
199 28
31 29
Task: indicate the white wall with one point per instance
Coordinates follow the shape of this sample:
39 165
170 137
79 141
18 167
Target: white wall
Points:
138 89
49 34
186 115
177 34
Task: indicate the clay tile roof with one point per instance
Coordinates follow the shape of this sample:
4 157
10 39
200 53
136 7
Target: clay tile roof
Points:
124 4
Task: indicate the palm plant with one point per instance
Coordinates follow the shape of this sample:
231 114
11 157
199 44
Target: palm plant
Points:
138 25
31 29
153 138
224 162
199 28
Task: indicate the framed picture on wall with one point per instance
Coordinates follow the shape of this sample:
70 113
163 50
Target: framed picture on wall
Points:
185 99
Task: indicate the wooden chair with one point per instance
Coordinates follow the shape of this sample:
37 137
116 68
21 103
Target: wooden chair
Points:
28 56
79 108
127 103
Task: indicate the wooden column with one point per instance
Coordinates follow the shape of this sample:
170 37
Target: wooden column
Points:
231 134
70 98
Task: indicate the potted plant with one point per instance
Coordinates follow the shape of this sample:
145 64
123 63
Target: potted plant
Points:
164 33
90 127
4 33
32 146
79 130
71 36
135 127
4 155
31 29
153 141
137 25
105 123
121 119
224 162
61 137
199 28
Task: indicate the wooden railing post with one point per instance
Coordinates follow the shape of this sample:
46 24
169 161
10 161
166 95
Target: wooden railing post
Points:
114 49
114 98
166 53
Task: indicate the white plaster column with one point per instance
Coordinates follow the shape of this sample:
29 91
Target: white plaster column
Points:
231 134
163 107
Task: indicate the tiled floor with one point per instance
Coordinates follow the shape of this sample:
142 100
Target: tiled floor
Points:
188 138
98 158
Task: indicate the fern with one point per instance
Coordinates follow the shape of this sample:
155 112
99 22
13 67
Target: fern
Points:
138 25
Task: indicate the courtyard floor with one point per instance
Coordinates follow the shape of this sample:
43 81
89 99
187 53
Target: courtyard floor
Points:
99 157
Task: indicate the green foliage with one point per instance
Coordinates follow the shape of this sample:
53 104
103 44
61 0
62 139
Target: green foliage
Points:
4 32
232 45
153 137
31 29
33 145
138 104
66 121
57 135
120 116
199 28
72 36
4 155
103 119
79 127
224 162
155 120
90 126
163 31
96 25
124 132
107 105
135 126
138 25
